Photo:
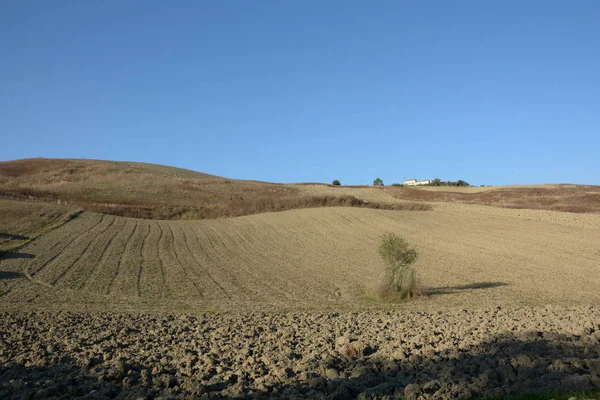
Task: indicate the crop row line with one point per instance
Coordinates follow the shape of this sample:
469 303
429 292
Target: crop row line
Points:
30 275
65 271
200 266
127 241
184 269
141 265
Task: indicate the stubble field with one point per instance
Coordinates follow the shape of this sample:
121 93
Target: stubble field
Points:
469 257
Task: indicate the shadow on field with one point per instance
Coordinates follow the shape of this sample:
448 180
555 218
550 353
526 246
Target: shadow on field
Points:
7 255
10 236
534 362
498 368
543 363
471 286
10 275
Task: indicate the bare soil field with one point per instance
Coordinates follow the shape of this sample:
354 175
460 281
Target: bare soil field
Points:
364 355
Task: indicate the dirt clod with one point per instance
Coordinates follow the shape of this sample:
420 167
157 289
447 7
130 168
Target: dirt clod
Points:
445 358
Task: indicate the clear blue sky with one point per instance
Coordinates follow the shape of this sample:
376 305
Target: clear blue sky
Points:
492 92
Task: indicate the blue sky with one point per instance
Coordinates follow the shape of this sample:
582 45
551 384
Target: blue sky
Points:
295 91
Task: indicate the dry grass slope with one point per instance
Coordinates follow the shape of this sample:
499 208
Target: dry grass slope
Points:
569 198
156 192
150 191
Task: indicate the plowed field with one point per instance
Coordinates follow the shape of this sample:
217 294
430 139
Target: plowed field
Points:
470 256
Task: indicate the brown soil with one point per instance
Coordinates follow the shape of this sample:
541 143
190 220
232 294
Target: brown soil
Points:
365 355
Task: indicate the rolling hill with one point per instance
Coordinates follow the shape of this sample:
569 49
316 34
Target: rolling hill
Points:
157 192
97 302
302 257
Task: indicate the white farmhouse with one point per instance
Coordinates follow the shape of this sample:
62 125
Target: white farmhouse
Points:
414 182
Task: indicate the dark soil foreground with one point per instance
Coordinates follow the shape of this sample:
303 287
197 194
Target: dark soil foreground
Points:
451 354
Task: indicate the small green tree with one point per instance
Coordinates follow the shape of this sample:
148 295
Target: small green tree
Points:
377 182
336 182
462 183
398 257
436 182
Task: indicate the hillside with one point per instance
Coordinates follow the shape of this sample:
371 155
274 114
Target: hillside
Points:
129 189
471 253
307 258
564 197
273 304
151 191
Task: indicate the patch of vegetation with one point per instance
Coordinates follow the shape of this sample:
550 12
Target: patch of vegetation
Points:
400 278
439 182
377 182
336 182
248 207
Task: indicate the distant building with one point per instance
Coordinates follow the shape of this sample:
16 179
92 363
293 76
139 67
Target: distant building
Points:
414 182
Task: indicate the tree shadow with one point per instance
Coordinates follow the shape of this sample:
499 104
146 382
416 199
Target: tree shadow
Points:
459 288
10 236
10 275
7 255
504 365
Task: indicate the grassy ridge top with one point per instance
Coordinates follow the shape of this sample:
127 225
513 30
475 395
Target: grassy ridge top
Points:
132 189
45 168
